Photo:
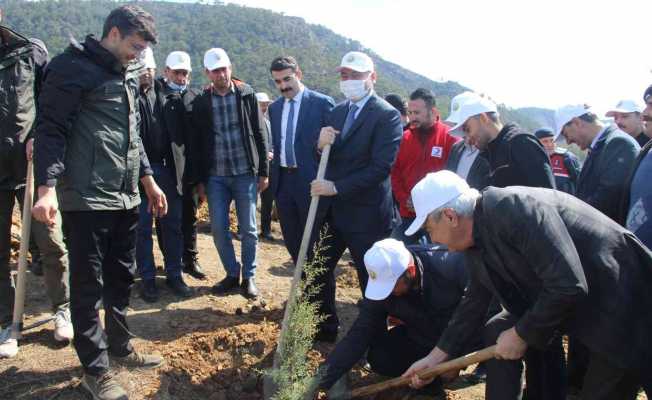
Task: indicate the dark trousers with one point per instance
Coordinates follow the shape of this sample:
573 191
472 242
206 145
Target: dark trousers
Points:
604 381
394 352
54 257
102 249
168 230
292 203
545 369
266 204
337 240
190 203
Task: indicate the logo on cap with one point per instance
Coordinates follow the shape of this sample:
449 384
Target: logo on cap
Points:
351 58
456 106
372 275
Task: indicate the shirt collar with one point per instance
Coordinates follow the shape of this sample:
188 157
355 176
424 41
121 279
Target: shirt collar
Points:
360 103
297 97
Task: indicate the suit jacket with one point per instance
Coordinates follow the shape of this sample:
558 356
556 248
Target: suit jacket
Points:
312 114
360 164
624 204
559 266
478 177
605 171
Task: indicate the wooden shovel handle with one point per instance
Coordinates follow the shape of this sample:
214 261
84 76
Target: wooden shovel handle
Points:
456 363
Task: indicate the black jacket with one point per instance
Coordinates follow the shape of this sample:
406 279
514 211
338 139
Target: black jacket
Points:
478 177
517 158
560 267
22 62
253 135
605 171
165 129
425 312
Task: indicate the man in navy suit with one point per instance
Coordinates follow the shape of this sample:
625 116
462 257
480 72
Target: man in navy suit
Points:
365 132
296 119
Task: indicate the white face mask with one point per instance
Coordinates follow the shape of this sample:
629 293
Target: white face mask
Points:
353 90
176 87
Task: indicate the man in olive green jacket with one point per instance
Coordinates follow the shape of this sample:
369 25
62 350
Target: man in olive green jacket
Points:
88 146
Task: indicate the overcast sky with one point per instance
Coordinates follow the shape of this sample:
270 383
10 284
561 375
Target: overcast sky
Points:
522 53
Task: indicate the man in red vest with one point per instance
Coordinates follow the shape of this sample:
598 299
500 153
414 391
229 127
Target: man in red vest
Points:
565 165
424 148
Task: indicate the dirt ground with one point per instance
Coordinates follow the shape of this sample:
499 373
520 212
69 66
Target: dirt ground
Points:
214 347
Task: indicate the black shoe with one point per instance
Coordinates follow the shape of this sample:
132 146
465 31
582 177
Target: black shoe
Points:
249 289
179 287
149 291
267 236
326 335
193 269
225 285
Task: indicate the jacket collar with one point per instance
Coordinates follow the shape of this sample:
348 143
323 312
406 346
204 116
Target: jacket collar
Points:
99 55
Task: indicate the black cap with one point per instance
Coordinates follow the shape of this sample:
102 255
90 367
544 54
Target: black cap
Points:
397 102
648 94
544 132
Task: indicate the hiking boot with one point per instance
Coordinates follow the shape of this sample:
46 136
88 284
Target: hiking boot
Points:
138 360
104 387
225 285
179 287
193 269
149 291
249 289
63 331
8 346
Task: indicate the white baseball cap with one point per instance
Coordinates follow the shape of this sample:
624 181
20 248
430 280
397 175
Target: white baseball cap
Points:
356 61
262 97
453 117
216 58
432 192
178 60
470 105
385 261
147 58
565 114
625 107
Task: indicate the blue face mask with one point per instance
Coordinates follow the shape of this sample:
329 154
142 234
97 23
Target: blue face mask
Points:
176 87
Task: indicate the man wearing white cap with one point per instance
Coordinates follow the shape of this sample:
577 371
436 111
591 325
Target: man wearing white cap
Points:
230 150
465 159
515 157
178 99
420 285
611 155
557 266
627 115
365 132
164 137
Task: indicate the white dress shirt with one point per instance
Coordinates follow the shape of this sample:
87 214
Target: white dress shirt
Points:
284 123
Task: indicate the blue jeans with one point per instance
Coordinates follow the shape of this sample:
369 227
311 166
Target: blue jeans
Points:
171 240
420 237
242 189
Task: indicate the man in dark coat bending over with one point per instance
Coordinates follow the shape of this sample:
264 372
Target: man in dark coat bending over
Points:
557 266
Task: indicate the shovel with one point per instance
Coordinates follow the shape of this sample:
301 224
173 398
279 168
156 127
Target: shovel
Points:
451 365
269 388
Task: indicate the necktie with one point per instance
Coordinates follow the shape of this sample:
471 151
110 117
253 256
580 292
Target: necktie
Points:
350 118
289 138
